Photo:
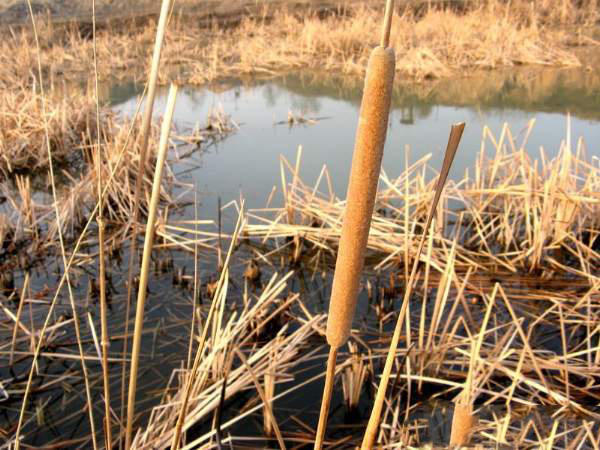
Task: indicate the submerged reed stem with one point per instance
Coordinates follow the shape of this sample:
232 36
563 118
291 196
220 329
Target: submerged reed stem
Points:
145 266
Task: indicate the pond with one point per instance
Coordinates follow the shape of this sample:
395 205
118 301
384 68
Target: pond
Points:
247 163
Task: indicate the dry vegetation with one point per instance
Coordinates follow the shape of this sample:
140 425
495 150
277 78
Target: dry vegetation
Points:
504 315
428 42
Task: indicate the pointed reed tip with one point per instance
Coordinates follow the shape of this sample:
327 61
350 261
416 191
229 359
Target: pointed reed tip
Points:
387 23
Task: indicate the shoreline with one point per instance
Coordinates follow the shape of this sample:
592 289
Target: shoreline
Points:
431 45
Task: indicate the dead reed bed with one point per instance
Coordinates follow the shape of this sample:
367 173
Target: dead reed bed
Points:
502 214
504 315
27 212
232 361
71 121
435 42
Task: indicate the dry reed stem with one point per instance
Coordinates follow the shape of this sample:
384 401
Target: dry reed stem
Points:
64 260
145 266
144 132
101 256
373 425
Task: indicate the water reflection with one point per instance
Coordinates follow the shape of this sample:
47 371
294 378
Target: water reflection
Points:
248 162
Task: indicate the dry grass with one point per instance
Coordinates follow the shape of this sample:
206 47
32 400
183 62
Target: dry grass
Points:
71 122
430 43
498 227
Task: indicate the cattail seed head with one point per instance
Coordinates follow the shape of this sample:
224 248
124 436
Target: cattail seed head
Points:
362 188
462 424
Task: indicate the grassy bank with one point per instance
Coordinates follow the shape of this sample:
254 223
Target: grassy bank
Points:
429 43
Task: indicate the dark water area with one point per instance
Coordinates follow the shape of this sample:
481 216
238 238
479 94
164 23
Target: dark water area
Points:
563 103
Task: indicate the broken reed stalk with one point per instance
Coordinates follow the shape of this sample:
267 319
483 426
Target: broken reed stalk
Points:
144 133
101 257
145 266
373 425
362 189
19 311
64 260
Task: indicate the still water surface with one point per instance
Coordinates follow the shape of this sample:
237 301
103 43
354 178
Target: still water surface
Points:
248 164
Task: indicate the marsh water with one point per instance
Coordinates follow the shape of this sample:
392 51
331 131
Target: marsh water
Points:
246 164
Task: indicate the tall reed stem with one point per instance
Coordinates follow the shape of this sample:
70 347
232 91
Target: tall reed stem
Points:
373 425
144 133
65 265
145 267
101 256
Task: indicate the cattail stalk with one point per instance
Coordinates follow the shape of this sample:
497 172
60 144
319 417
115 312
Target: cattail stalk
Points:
362 189
143 140
145 267
373 425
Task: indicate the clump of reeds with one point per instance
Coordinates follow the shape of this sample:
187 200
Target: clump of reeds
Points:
228 335
71 125
353 377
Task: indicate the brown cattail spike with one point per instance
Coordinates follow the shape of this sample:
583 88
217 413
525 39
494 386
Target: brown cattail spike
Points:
462 424
362 188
